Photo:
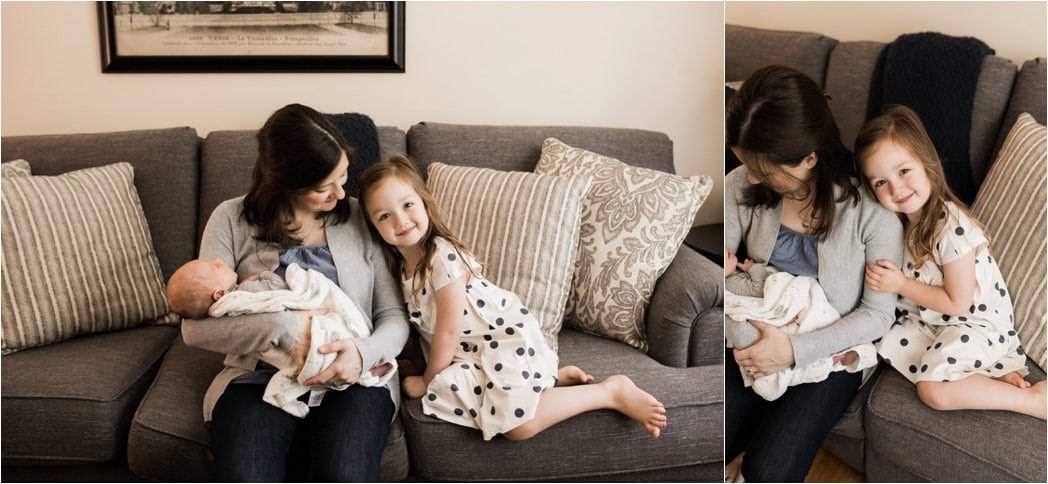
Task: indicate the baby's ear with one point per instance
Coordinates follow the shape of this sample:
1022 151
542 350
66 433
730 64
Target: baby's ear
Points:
217 294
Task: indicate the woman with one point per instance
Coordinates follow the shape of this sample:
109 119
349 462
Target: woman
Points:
796 205
296 211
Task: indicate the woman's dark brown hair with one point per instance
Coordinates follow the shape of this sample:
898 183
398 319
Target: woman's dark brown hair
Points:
297 148
902 126
777 118
401 168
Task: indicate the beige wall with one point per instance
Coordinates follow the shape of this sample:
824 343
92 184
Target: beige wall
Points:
650 66
1016 30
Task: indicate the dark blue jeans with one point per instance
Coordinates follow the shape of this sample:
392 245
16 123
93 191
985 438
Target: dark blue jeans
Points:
341 440
781 437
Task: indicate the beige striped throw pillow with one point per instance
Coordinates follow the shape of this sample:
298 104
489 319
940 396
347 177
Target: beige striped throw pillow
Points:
522 227
77 257
633 222
1011 203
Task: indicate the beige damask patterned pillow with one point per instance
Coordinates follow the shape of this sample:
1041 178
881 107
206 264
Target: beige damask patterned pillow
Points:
633 222
522 227
15 168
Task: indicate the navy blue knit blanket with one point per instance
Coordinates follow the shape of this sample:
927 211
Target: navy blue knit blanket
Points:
935 75
361 133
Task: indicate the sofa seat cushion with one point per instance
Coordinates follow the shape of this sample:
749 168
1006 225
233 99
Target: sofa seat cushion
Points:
72 402
962 445
169 440
602 443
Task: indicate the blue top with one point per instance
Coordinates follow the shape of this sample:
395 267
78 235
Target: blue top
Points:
796 253
316 257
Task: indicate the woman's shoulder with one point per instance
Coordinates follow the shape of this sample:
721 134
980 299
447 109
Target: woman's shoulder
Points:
229 209
867 213
736 179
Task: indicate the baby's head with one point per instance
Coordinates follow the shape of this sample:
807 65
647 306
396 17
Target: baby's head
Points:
195 286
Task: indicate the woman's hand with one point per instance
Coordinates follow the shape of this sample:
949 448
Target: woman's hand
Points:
345 370
771 353
414 387
884 276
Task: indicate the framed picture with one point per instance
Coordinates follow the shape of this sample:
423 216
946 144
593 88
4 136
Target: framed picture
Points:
252 36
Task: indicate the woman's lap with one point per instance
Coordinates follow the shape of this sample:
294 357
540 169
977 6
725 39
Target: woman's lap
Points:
781 437
342 439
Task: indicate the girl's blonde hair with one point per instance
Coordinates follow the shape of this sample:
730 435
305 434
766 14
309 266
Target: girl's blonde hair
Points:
400 167
902 126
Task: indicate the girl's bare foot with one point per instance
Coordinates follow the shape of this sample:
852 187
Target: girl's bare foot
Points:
572 375
1039 409
1015 379
637 404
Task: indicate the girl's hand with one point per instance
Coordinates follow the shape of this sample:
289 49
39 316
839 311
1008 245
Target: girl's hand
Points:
771 353
730 261
414 387
345 370
884 276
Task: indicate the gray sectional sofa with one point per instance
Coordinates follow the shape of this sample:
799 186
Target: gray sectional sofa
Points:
127 405
887 433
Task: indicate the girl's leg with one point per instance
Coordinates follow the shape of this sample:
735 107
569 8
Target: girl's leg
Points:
348 432
980 392
616 393
250 438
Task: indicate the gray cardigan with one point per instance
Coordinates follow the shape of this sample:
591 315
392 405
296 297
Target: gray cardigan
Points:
362 273
861 232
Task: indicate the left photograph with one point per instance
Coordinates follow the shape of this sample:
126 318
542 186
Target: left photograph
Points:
349 241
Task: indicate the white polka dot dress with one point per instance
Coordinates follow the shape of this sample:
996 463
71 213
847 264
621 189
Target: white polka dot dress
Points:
925 345
502 363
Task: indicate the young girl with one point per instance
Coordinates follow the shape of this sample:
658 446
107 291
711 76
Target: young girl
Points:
488 366
954 333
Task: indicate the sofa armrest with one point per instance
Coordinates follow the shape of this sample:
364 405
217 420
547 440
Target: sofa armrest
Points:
685 321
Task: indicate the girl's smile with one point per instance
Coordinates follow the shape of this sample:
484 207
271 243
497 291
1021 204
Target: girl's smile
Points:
898 179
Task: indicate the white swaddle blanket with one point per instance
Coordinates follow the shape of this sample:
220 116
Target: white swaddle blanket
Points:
785 297
307 290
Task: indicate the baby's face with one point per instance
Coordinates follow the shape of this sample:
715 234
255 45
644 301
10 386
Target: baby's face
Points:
215 274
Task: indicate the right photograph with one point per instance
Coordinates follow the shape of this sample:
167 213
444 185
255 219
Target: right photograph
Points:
884 242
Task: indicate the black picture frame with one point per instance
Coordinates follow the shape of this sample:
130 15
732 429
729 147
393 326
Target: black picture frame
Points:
112 62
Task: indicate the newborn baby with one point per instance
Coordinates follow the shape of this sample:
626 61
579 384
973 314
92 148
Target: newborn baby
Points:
200 289
797 304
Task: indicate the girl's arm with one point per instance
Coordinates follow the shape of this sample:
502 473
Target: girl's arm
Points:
954 297
451 303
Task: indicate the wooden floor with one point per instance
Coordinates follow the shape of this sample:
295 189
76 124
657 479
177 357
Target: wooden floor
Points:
828 468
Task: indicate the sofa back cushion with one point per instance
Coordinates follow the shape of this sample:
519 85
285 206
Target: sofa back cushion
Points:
228 157
517 148
1028 96
166 177
747 49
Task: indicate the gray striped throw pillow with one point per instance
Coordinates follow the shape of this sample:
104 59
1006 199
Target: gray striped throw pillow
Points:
522 227
1011 203
77 257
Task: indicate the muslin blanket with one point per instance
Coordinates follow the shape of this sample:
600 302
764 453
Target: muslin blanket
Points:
797 305
307 290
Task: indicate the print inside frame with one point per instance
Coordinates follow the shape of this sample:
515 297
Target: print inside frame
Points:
251 36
